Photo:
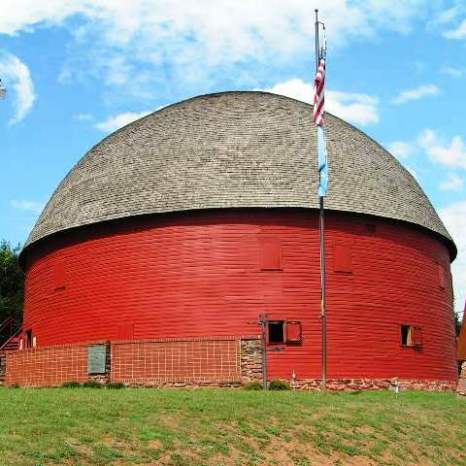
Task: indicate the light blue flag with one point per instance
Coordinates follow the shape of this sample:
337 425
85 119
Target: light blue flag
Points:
322 161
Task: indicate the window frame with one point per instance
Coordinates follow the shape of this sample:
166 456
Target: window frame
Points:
285 340
414 337
299 326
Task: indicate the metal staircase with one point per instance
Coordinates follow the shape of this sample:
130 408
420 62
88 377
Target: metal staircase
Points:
9 341
12 344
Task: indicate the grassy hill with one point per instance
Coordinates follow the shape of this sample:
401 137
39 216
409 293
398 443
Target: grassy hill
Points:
85 426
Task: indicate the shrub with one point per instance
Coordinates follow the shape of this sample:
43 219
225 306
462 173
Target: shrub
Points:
92 384
279 385
116 385
253 386
72 384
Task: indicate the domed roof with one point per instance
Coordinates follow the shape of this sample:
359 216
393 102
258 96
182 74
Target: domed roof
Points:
233 149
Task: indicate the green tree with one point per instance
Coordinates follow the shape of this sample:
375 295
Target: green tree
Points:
11 283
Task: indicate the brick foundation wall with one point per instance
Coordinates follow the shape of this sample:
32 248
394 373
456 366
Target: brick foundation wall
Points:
46 367
227 361
176 362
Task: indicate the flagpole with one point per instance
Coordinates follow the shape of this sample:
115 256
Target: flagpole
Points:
323 274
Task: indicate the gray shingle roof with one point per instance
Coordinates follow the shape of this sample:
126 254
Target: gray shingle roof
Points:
234 149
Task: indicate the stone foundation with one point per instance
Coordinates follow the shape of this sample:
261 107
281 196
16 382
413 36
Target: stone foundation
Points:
185 385
251 360
351 385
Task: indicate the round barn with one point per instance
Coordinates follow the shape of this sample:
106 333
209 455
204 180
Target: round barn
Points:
194 221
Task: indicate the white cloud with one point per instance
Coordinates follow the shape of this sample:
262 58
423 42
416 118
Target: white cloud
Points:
199 36
117 121
401 149
454 182
448 15
451 154
83 117
23 15
454 218
452 71
18 81
31 206
416 93
295 88
354 107
358 108
457 33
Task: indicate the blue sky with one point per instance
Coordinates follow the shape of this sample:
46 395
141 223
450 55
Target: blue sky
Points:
76 71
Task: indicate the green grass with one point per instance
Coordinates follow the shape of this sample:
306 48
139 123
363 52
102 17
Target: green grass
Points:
85 426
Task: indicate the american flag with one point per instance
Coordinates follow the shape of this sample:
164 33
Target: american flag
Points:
319 94
318 117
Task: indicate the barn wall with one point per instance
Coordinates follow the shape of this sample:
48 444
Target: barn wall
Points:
204 273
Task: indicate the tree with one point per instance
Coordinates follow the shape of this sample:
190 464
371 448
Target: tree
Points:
11 283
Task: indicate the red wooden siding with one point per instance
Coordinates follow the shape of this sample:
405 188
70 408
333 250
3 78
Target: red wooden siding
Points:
461 349
343 258
461 353
271 254
58 275
441 276
200 274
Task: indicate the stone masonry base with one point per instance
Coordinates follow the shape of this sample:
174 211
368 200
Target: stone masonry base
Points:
351 385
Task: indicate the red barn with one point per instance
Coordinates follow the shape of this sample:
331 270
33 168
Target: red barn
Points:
193 221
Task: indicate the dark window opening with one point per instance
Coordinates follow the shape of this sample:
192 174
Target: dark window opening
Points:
411 336
276 332
405 335
28 338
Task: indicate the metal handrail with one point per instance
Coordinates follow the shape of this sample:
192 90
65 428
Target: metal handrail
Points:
6 322
14 335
